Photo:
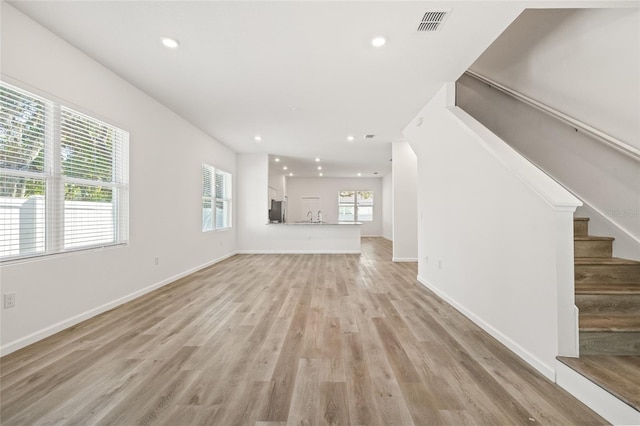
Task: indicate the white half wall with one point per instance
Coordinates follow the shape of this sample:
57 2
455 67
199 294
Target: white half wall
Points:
166 156
495 234
405 204
327 189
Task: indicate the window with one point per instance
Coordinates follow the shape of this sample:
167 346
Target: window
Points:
355 206
216 199
64 178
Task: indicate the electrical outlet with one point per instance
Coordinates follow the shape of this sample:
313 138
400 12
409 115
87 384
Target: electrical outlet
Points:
156 260
9 300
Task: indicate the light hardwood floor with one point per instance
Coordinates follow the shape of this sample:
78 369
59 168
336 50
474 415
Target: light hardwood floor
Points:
282 339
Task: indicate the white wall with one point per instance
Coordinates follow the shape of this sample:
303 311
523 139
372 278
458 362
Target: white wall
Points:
276 183
252 215
495 235
585 63
166 154
327 189
256 236
387 207
405 204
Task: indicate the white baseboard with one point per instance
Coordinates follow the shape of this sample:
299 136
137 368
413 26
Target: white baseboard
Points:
298 252
405 259
544 369
599 400
55 328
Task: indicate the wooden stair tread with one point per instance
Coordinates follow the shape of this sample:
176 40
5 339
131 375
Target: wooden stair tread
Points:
592 238
618 375
581 219
620 323
604 261
607 288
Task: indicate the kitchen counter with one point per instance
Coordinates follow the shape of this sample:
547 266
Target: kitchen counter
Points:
316 223
311 237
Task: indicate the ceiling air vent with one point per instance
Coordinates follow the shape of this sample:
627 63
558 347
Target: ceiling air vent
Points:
433 20
369 136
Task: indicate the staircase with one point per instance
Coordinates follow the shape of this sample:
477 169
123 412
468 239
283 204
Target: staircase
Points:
607 295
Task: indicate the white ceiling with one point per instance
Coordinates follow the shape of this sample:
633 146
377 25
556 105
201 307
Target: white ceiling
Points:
303 75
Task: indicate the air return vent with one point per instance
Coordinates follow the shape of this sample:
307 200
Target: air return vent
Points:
433 20
369 136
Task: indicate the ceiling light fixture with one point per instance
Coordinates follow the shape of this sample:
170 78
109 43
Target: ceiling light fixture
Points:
319 167
285 168
350 138
169 42
317 160
258 138
290 174
359 174
378 42
277 160
319 174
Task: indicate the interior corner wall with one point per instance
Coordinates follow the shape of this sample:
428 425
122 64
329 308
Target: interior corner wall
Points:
252 204
405 205
387 206
166 156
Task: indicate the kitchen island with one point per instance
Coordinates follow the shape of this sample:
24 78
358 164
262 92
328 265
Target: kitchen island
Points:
313 237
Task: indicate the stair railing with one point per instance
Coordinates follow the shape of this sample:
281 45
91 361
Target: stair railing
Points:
618 145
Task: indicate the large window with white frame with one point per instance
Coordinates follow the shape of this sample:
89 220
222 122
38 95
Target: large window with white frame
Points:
355 206
64 178
216 198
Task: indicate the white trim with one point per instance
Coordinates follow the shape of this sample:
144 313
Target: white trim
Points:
599 400
405 259
321 251
529 358
69 322
557 196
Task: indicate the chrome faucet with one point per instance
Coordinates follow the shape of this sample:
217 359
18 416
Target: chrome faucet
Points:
310 215
319 215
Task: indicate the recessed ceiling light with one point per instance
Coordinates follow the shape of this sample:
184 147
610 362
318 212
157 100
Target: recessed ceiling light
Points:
319 167
378 41
317 160
319 174
350 138
169 42
290 174
277 160
258 138
359 174
285 168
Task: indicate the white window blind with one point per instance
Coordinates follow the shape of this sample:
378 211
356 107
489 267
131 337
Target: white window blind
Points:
216 198
64 178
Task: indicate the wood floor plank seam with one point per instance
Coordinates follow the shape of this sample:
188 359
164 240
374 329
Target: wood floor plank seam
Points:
266 340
